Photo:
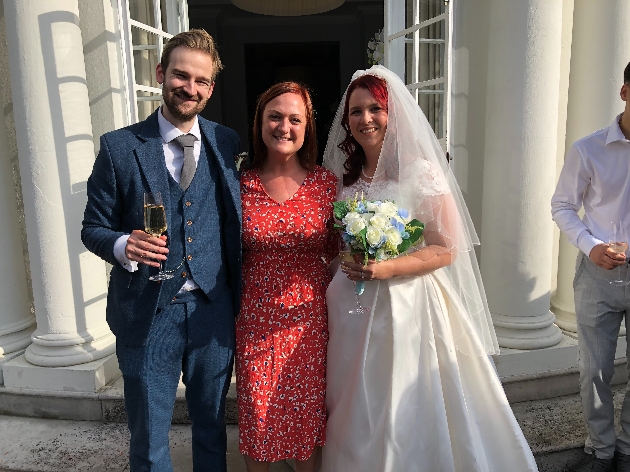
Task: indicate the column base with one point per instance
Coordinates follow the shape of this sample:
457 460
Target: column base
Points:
527 332
566 321
89 377
16 341
51 354
6 358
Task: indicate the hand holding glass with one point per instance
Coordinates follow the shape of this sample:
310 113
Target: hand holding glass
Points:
618 243
345 255
155 225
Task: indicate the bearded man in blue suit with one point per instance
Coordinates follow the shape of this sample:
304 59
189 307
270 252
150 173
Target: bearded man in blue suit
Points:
183 326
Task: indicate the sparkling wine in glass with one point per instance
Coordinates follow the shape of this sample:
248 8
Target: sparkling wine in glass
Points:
155 225
345 255
619 244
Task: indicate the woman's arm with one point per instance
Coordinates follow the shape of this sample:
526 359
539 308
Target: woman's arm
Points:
421 262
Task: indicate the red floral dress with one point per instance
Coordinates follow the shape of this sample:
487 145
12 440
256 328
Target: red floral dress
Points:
281 331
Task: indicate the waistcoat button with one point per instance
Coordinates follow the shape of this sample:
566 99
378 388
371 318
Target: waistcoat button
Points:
189 257
188 204
189 222
189 239
184 274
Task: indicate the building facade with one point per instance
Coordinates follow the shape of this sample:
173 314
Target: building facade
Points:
507 84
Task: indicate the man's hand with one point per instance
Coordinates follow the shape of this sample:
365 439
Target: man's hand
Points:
146 249
603 257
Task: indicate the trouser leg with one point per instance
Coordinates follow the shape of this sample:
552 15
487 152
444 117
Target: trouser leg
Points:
207 372
599 310
151 374
623 440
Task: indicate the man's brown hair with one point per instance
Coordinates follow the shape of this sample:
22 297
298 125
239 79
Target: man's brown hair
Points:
197 39
307 154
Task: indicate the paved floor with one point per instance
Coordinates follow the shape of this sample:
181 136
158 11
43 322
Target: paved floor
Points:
46 445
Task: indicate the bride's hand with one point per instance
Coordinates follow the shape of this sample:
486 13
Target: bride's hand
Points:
372 271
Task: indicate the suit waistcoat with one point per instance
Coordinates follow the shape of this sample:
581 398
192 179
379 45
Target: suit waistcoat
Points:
195 231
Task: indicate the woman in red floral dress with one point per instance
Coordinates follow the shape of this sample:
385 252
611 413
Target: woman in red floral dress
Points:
288 242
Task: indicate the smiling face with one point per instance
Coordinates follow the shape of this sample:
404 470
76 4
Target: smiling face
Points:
284 125
186 85
367 119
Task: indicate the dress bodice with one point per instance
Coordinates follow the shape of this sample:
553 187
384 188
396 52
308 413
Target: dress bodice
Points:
383 190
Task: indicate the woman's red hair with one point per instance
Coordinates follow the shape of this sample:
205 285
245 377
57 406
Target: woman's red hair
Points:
350 147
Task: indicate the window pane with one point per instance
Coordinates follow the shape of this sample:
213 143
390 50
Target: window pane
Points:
432 106
432 52
164 15
427 9
147 103
142 11
145 57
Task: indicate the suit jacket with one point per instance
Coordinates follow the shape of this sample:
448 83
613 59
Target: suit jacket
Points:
130 163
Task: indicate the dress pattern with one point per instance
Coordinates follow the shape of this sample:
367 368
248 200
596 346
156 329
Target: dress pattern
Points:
282 330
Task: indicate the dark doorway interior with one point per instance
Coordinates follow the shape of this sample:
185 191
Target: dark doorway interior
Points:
314 64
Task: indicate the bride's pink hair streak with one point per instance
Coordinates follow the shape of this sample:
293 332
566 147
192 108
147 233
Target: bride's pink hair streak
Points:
356 157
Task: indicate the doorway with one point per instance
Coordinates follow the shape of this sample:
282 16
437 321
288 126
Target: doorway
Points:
313 64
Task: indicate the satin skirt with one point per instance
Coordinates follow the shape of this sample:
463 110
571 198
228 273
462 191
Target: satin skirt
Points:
410 387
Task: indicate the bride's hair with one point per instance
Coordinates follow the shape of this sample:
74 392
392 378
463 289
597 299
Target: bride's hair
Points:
350 147
307 154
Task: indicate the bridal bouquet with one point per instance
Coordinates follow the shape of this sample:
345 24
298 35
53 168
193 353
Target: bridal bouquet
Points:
377 230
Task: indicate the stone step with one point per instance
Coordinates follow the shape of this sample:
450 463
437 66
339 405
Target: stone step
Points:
554 427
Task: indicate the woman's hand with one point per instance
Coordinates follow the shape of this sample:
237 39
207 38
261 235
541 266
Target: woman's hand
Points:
421 262
372 271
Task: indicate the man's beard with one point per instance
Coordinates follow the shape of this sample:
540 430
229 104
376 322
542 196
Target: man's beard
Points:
176 109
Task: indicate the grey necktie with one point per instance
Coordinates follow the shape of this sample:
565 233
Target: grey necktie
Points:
187 141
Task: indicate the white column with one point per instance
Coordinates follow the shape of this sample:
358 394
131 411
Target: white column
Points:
521 141
56 154
16 320
594 100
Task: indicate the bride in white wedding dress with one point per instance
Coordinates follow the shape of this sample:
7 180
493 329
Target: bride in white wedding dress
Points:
410 387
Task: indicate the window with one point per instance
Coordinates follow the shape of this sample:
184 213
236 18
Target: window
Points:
146 25
417 38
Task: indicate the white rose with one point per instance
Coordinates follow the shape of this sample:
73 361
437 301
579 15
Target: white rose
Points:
374 236
388 208
351 215
366 217
371 206
355 225
379 220
393 236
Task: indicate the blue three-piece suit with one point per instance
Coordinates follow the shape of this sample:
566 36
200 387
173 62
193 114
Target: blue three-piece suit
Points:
162 334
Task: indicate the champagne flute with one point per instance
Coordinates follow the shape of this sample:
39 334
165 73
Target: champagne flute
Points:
345 255
155 225
618 243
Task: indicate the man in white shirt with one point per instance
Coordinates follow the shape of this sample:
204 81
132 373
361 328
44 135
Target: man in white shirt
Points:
596 176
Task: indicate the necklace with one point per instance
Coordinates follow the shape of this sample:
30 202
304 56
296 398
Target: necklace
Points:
373 177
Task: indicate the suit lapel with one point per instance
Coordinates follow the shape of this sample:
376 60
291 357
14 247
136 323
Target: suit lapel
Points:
150 155
231 184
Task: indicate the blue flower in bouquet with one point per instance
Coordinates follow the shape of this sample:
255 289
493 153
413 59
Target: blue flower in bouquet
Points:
404 215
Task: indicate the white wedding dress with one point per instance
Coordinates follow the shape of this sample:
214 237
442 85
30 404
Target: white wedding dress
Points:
409 385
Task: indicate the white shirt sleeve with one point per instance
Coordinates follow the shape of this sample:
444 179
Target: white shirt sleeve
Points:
567 201
119 254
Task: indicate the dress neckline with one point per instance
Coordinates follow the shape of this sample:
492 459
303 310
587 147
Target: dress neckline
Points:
299 189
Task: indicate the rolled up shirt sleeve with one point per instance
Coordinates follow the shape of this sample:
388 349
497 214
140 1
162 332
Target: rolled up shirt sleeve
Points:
121 257
567 201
